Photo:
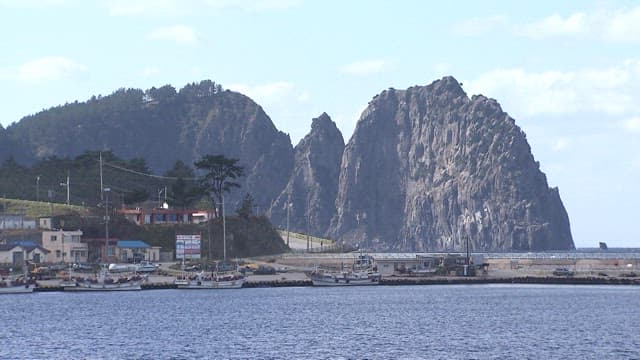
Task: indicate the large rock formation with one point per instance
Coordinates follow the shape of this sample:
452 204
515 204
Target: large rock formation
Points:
313 185
162 126
428 168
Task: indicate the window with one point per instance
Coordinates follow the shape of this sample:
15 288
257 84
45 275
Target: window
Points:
54 238
58 254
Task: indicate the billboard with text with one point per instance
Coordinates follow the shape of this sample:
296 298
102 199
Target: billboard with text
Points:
187 247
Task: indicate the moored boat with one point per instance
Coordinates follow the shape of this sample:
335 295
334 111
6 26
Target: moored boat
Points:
104 282
17 286
362 272
212 280
344 278
226 276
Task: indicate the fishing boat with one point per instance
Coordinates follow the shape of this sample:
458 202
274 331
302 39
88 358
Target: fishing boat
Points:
225 279
105 282
362 272
17 286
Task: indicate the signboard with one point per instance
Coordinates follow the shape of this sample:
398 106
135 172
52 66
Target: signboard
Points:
187 247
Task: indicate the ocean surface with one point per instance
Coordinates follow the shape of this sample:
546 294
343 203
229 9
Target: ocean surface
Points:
378 322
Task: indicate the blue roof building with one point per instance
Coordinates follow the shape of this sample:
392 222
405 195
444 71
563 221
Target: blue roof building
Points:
133 244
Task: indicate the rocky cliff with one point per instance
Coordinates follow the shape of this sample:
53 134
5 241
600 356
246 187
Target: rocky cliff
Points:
162 126
428 168
313 185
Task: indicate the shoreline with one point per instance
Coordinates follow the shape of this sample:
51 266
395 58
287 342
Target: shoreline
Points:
400 281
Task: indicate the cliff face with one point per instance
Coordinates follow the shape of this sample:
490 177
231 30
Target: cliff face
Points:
427 168
162 126
313 185
237 127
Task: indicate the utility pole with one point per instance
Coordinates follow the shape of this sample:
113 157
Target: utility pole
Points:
101 186
224 234
38 188
288 209
106 224
67 185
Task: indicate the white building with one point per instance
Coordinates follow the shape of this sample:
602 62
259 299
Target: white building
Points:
65 246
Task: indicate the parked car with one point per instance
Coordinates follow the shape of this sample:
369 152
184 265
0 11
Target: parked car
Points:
82 267
562 272
136 258
194 267
265 270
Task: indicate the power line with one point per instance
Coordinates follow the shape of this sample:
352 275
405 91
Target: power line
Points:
146 174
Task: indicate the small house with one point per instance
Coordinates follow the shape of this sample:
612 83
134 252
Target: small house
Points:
18 252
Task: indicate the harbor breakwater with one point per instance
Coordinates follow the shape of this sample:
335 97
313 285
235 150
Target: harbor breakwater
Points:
395 281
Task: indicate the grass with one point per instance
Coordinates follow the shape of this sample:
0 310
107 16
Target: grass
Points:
35 209
314 239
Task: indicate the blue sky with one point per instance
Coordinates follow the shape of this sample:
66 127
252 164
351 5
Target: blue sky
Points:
568 71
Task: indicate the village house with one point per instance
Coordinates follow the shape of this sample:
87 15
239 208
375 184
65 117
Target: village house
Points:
16 253
141 216
65 246
121 250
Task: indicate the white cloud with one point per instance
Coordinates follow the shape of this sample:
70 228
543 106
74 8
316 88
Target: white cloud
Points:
145 7
266 93
180 34
555 25
621 25
480 26
611 91
304 97
150 71
32 4
560 143
617 25
633 124
365 67
252 5
177 7
49 68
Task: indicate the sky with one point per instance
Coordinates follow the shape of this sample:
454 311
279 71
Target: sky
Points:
567 71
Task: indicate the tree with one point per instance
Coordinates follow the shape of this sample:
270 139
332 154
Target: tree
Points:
136 196
180 170
221 173
184 195
246 207
183 190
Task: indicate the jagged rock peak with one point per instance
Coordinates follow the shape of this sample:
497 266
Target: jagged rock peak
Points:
313 184
428 167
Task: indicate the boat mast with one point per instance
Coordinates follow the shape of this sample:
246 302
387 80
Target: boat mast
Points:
224 234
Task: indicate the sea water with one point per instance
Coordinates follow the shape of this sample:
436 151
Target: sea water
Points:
376 322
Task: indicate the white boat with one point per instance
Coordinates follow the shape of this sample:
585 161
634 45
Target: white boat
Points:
226 276
363 272
17 286
212 280
344 278
105 282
